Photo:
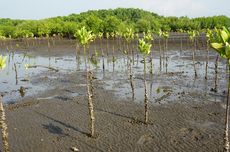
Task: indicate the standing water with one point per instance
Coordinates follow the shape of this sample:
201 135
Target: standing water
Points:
16 79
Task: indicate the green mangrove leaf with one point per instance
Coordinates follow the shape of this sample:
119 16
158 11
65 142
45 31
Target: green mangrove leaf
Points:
220 42
84 36
144 48
148 36
218 46
165 35
217 37
99 35
180 30
224 36
159 33
192 34
227 50
227 31
2 62
129 34
209 34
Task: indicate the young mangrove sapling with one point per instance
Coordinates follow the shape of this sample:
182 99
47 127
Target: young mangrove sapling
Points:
220 41
208 37
145 49
192 37
84 38
165 35
129 36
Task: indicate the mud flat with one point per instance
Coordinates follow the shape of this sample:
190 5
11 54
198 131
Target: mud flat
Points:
184 113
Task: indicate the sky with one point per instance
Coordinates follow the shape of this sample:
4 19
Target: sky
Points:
40 9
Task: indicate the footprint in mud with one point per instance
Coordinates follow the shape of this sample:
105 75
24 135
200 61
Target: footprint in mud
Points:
190 134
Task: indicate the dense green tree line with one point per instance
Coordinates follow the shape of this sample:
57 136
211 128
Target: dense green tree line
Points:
112 20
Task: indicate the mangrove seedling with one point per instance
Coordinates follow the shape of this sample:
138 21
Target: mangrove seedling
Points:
145 49
100 35
165 35
192 37
181 31
159 33
220 41
107 35
84 38
136 44
149 38
113 35
119 37
208 38
129 36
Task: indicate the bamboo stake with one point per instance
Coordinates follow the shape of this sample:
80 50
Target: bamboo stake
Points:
226 141
146 95
3 126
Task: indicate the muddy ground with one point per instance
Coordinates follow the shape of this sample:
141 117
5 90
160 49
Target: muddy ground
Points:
185 116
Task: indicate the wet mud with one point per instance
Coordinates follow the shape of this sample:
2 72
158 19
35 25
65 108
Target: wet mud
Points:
185 114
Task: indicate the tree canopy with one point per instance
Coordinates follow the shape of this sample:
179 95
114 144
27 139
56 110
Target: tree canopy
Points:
107 21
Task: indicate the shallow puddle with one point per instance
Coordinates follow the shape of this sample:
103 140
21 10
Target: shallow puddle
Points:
16 77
